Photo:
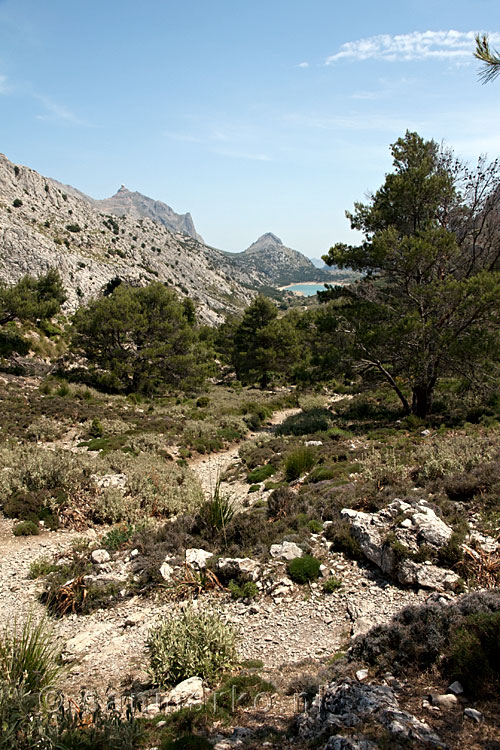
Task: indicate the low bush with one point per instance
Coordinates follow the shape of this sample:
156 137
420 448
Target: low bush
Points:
41 567
418 636
332 584
314 526
282 502
191 643
260 474
339 533
241 690
306 422
304 569
298 462
321 474
474 654
26 528
245 590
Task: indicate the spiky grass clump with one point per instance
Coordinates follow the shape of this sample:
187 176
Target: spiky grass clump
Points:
29 656
299 462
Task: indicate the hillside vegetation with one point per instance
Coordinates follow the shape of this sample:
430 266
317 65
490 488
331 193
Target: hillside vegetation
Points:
283 531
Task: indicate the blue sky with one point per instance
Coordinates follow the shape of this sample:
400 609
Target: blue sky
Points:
254 116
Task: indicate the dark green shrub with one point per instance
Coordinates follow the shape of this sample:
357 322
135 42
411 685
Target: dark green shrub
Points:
304 569
202 402
315 526
73 227
339 533
246 590
241 690
118 537
17 202
26 528
260 474
96 429
298 462
306 422
321 474
474 655
452 553
254 488
332 584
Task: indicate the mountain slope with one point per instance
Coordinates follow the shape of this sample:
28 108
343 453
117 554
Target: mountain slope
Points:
280 264
127 203
43 224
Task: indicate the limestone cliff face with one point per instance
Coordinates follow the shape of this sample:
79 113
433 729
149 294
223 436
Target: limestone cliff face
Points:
280 264
43 225
139 206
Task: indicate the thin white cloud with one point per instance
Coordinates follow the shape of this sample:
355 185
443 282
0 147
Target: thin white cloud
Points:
354 121
303 65
418 45
242 155
4 87
57 111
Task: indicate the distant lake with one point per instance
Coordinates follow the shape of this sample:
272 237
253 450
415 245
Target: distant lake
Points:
306 289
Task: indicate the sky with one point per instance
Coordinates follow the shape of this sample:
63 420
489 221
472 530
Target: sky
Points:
262 116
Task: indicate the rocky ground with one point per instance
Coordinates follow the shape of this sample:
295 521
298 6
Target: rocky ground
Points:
290 628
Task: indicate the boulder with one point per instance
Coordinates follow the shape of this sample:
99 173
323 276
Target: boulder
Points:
243 568
285 551
100 556
187 692
420 525
166 571
427 576
350 704
370 530
197 558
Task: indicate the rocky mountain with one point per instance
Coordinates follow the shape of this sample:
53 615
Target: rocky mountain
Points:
43 225
280 264
127 203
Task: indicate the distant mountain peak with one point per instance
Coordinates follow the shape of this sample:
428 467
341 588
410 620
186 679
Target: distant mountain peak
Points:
269 236
265 240
122 190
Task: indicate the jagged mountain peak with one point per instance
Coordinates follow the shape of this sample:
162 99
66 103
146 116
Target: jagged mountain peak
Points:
122 190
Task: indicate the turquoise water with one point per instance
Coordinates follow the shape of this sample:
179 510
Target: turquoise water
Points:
307 289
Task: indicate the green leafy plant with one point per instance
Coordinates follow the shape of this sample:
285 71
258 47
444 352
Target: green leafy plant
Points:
40 567
260 474
191 643
26 528
245 590
332 584
304 569
96 429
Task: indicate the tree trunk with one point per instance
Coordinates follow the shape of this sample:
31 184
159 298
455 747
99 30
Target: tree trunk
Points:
422 399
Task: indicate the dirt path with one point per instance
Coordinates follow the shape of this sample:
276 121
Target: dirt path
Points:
209 468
